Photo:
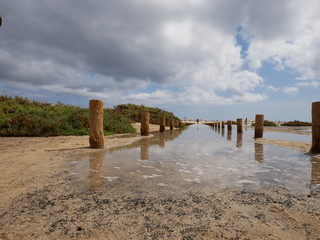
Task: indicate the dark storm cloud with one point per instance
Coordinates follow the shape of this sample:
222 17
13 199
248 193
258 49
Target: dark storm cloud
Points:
96 36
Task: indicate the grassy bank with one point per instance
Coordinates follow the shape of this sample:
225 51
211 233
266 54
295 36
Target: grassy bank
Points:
23 117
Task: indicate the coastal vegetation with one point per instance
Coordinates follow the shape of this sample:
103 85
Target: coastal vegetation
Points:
267 123
296 123
24 117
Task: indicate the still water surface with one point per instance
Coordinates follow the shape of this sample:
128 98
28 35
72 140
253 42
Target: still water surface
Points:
199 158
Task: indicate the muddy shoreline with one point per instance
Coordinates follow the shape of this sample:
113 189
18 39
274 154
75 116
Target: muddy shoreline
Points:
39 199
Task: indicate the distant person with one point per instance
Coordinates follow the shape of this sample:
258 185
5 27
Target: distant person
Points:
246 121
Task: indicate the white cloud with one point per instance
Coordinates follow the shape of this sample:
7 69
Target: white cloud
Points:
313 84
290 90
287 35
272 88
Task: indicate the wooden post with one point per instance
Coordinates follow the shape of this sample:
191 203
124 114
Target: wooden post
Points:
315 147
96 138
171 124
145 119
222 124
229 125
258 130
239 125
219 125
162 124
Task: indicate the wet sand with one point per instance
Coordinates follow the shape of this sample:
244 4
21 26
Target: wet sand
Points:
301 146
40 200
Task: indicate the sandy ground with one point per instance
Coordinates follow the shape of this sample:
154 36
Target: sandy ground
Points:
39 200
301 146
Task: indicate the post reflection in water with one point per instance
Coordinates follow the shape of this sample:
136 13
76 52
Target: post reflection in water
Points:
158 139
144 148
162 140
96 170
315 175
222 132
229 134
239 140
258 152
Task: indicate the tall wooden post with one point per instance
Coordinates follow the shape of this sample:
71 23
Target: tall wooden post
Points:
222 124
239 125
96 138
219 125
315 147
145 119
258 130
229 125
171 124
162 124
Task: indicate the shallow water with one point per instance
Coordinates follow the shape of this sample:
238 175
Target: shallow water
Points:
198 158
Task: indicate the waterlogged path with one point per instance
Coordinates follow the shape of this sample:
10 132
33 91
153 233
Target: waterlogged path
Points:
202 159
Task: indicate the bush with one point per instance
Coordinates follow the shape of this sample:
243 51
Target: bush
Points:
133 112
115 122
296 123
267 123
23 117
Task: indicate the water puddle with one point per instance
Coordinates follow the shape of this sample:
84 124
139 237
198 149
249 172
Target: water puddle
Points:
198 158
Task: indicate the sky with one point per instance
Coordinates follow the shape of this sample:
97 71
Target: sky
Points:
208 59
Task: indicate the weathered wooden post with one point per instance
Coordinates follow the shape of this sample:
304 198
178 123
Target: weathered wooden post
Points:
258 129
222 124
96 138
145 119
315 147
163 124
229 125
171 124
219 125
239 125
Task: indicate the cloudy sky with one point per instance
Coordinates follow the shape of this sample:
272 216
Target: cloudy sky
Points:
212 59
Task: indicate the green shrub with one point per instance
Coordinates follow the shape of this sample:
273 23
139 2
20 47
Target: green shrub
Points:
115 122
133 112
296 123
23 117
267 124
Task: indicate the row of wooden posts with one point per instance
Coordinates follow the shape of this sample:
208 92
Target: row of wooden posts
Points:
258 130
96 138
